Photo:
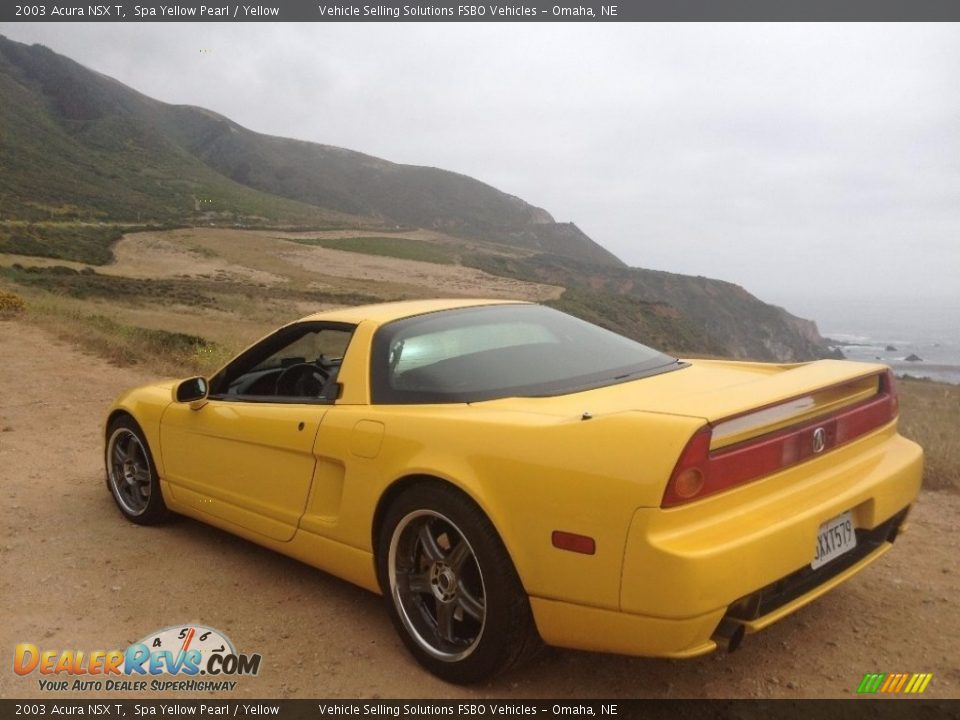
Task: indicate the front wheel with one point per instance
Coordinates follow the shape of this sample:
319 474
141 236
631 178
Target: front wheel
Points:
131 476
450 587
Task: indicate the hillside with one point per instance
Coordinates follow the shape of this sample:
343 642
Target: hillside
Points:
111 152
696 314
85 159
77 145
359 184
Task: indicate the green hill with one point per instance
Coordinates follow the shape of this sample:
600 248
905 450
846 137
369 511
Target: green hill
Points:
77 143
84 158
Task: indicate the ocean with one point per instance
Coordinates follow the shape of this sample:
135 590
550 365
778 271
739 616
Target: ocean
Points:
891 331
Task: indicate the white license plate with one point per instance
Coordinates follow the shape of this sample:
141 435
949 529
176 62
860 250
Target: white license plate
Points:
834 538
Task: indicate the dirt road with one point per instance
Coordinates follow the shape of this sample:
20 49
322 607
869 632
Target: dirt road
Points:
75 575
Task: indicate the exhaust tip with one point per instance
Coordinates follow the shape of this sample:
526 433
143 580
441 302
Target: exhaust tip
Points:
729 634
736 638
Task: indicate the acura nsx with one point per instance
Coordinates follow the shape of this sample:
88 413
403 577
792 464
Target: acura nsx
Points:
505 474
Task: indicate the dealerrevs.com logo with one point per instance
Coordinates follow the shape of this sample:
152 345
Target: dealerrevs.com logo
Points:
186 652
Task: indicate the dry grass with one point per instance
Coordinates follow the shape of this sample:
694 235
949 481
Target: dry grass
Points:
165 352
267 260
11 304
930 415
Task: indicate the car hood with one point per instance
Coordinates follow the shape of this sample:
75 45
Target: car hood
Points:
157 393
166 385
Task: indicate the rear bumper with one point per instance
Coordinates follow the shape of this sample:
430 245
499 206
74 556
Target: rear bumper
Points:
692 560
586 628
780 598
744 555
779 606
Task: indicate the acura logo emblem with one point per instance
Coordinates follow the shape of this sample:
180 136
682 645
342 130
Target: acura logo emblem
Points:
819 440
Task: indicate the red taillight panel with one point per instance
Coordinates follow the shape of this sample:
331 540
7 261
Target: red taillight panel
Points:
764 455
695 456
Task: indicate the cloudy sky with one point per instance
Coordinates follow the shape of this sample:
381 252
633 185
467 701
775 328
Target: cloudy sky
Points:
805 162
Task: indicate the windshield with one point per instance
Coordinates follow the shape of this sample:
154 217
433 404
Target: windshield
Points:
497 351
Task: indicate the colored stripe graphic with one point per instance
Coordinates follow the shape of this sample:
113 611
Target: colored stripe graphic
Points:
926 681
898 681
894 683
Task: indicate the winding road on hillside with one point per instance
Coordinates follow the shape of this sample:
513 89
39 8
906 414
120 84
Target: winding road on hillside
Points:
75 575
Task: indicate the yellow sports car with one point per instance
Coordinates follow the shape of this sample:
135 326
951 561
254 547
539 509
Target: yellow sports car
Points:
504 473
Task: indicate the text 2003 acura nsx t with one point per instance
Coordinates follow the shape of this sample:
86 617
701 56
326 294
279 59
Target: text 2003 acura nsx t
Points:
504 473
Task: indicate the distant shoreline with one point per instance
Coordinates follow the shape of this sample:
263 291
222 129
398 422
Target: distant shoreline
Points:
927 359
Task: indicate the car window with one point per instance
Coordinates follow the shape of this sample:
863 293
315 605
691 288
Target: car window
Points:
298 363
488 352
428 348
328 344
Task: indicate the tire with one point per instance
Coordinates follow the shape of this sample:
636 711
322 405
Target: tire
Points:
450 588
131 474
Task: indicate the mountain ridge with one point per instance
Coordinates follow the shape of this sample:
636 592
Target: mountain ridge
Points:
191 146
77 145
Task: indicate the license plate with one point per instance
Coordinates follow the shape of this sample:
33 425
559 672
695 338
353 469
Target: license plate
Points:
834 538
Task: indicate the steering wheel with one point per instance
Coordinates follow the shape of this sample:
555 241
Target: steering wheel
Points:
302 380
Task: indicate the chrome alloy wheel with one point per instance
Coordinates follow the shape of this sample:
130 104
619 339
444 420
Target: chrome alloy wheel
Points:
436 585
128 469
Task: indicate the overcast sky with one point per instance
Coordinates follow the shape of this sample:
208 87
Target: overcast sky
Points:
796 160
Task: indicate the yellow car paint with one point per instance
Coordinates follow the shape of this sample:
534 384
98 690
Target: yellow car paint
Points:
307 481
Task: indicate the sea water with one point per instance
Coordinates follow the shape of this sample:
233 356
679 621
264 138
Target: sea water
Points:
891 330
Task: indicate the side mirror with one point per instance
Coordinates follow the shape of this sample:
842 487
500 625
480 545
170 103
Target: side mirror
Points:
194 391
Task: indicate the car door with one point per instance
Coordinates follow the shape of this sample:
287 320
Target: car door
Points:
247 454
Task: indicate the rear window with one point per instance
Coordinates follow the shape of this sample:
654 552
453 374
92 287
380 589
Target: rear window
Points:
496 351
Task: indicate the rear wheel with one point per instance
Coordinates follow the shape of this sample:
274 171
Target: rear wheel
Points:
450 587
131 476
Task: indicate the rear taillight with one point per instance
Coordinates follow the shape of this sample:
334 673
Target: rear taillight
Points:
701 472
694 462
878 411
